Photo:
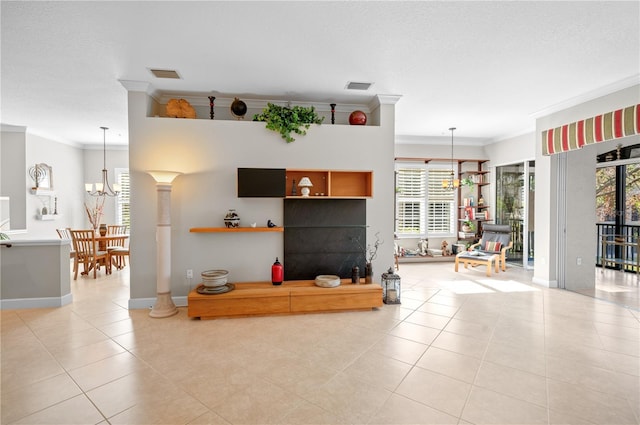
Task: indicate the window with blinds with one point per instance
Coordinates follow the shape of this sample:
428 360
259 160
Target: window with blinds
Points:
411 201
423 207
122 203
441 203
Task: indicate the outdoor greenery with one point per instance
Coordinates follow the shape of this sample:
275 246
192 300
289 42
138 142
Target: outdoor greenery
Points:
286 120
606 194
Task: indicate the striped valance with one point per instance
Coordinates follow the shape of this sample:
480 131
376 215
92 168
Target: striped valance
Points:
612 125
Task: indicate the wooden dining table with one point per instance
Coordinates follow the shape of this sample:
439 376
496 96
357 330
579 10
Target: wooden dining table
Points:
103 240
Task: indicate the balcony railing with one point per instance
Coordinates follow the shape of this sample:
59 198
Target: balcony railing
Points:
630 252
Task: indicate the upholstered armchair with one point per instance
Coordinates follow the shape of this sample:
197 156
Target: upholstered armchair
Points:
496 239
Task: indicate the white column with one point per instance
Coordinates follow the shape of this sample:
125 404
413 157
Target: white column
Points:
164 306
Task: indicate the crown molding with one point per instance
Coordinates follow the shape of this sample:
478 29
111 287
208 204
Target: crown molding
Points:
388 99
132 85
591 95
407 139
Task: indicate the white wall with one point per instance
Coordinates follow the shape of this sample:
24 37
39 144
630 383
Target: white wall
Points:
66 163
442 151
209 152
92 160
13 177
580 196
72 166
512 151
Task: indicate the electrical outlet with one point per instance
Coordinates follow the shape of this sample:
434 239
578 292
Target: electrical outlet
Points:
189 274
579 261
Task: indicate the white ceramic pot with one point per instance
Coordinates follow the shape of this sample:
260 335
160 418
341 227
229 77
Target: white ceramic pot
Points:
214 278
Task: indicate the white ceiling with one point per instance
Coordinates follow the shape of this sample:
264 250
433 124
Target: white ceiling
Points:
486 67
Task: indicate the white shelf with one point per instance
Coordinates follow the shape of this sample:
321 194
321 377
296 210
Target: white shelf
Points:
48 217
42 192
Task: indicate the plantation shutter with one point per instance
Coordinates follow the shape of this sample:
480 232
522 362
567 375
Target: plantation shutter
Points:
441 203
410 205
123 201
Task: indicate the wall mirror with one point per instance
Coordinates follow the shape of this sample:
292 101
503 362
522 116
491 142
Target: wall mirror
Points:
42 176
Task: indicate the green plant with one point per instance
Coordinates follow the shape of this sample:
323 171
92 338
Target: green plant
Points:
470 224
467 181
286 120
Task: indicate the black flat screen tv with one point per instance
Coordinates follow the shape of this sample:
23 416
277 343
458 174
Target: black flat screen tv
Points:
261 182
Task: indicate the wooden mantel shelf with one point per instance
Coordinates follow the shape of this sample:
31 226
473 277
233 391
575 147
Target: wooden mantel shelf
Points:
234 229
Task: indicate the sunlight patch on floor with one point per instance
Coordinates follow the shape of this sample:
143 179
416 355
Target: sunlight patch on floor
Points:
507 285
464 287
613 289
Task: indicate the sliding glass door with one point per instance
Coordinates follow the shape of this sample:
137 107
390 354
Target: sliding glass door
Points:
515 194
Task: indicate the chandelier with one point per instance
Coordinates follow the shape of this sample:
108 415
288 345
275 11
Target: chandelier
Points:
103 189
451 183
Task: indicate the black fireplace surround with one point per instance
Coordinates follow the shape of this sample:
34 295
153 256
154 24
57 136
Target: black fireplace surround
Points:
324 236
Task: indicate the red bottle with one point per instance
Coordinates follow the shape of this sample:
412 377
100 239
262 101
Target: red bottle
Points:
277 273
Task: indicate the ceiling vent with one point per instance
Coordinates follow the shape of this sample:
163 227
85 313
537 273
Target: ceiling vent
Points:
165 73
354 85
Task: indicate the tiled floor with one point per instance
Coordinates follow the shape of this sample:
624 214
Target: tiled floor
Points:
461 349
622 288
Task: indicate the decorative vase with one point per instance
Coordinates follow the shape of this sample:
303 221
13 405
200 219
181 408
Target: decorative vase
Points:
466 228
232 219
358 118
368 273
238 108
103 229
277 273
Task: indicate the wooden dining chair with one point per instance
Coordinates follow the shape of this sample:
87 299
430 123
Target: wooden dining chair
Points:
65 235
117 247
117 256
87 253
116 229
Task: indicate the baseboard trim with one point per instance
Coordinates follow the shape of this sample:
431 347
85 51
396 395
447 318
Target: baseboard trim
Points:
544 282
24 303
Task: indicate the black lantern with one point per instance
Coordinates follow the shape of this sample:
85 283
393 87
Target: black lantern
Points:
390 287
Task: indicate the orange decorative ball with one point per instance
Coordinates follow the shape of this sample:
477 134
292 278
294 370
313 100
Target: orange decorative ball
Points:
358 118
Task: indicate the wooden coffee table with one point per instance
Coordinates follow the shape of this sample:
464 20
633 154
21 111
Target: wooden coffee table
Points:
483 259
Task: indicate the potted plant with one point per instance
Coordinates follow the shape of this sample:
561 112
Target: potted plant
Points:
286 120
468 226
467 181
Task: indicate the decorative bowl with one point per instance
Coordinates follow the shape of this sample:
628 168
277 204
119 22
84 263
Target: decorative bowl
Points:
214 278
327 281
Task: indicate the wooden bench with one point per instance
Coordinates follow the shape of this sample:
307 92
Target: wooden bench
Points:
292 297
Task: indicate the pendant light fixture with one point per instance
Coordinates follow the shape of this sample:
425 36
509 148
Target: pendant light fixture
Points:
103 189
451 183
